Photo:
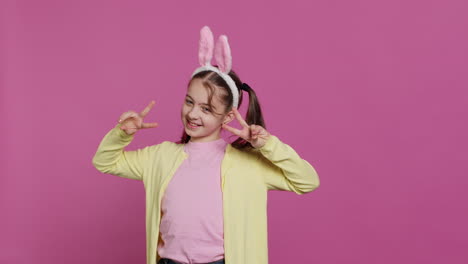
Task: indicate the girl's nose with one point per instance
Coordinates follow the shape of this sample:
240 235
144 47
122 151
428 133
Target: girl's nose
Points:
193 113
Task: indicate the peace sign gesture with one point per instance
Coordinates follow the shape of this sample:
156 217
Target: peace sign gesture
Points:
132 121
256 135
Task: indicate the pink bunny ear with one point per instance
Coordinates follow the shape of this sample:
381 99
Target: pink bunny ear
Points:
222 54
206 45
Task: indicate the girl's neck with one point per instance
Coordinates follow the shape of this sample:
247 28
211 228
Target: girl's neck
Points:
214 145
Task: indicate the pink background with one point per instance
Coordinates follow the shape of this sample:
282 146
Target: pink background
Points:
372 93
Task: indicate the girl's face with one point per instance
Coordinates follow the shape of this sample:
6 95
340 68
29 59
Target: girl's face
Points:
197 111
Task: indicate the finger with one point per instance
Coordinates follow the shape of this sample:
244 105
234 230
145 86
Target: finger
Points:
149 125
256 131
235 131
123 116
129 127
239 117
147 109
127 115
127 130
252 131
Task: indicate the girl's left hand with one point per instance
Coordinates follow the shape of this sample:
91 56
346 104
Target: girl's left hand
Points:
256 135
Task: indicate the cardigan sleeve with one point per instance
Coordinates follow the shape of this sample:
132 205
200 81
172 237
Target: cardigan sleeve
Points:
283 169
111 157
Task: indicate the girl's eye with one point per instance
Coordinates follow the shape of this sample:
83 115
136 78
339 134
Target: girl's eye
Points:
206 109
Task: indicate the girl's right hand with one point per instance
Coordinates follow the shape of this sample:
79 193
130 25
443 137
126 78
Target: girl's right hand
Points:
131 121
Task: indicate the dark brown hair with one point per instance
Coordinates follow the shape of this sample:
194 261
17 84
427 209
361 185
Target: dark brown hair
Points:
210 81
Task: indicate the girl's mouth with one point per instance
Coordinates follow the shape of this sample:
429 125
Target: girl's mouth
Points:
192 125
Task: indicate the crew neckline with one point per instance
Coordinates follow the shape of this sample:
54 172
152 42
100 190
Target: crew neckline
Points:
207 144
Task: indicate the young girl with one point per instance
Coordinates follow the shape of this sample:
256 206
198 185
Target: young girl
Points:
206 199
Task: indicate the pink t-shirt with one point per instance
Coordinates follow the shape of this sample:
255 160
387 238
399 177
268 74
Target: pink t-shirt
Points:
192 206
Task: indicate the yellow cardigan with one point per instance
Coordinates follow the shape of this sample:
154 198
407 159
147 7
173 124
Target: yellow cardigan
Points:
246 176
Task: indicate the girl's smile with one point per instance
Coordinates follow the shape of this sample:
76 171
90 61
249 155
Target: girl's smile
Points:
193 125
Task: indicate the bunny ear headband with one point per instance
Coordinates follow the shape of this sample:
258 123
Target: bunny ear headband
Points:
222 54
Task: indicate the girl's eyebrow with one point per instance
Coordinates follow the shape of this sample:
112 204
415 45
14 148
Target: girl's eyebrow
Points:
194 100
